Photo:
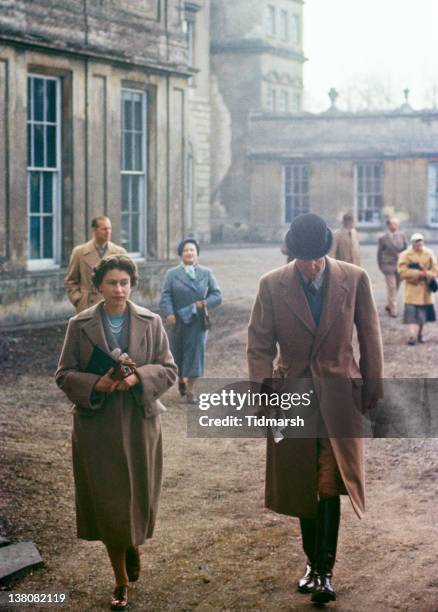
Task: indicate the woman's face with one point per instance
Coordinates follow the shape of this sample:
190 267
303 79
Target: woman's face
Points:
418 245
115 287
190 254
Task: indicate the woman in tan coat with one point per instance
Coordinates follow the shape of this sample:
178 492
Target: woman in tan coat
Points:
117 449
417 266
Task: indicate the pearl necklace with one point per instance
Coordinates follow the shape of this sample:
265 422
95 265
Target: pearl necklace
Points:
116 328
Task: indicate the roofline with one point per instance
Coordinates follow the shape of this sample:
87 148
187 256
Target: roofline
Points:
89 54
296 157
341 115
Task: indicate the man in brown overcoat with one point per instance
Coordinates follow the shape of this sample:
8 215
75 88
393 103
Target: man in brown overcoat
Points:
303 320
345 245
80 289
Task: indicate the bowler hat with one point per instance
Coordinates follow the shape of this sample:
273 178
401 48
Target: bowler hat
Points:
308 237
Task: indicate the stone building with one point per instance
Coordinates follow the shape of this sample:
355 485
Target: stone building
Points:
257 61
374 164
93 119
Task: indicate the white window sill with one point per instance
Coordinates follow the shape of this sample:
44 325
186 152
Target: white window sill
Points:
41 265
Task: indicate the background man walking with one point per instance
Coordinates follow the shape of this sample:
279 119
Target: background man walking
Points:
303 321
345 245
80 289
390 246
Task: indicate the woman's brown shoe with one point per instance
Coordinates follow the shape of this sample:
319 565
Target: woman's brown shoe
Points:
119 599
133 563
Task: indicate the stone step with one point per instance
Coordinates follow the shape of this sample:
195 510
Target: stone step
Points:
17 558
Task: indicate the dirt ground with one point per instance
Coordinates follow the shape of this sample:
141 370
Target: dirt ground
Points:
215 546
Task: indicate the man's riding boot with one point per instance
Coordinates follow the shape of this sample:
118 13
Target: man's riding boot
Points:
308 536
326 544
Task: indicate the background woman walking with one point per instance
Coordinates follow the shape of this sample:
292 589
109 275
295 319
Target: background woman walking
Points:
417 266
189 292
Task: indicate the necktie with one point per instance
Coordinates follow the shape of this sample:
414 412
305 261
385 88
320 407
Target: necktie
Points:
312 288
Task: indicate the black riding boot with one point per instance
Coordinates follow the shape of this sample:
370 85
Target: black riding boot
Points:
326 544
308 536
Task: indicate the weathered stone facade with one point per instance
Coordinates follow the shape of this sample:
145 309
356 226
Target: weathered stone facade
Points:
257 59
400 147
94 52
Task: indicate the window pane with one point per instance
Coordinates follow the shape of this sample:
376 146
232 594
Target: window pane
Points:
138 152
51 146
38 97
47 192
29 99
127 149
34 238
135 233
51 101
34 186
29 144
38 151
127 106
135 195
125 231
125 192
48 237
138 114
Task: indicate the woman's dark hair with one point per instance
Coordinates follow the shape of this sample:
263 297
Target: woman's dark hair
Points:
115 262
183 243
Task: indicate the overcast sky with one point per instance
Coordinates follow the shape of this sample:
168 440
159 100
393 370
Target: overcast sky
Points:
391 43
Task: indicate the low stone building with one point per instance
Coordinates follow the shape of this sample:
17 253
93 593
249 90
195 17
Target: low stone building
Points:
374 164
93 120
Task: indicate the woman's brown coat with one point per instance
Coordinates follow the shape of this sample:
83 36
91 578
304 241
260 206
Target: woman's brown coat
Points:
281 318
117 451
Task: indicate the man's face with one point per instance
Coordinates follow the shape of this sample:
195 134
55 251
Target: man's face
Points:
392 226
310 267
102 233
349 225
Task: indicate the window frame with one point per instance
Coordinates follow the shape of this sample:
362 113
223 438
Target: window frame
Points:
432 193
43 263
301 194
143 190
367 194
271 20
296 29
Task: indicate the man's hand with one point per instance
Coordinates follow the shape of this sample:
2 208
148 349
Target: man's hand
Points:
106 384
128 382
170 320
199 304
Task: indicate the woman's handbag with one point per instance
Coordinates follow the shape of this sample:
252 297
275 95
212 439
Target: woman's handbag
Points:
205 320
433 285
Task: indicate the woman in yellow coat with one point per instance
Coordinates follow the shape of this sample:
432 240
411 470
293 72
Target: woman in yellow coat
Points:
417 266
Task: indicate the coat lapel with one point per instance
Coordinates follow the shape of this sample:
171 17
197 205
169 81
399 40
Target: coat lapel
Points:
335 293
137 334
294 296
93 328
91 256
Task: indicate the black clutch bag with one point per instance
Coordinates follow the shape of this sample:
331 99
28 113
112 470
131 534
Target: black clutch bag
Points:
100 362
433 285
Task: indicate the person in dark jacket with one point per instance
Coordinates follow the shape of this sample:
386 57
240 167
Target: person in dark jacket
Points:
189 292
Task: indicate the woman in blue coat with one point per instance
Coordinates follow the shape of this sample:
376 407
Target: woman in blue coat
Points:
189 289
